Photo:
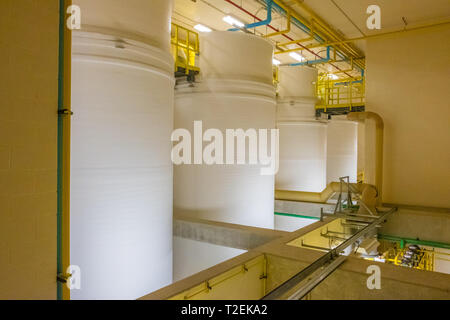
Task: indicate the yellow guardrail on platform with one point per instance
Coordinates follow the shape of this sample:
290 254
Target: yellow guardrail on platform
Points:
185 49
360 177
340 93
423 260
276 78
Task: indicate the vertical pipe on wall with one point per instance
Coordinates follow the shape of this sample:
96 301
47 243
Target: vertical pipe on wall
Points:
379 136
64 128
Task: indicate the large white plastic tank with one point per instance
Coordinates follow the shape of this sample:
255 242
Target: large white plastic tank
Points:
303 139
342 149
235 91
121 176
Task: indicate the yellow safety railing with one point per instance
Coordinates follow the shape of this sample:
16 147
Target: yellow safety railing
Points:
319 27
341 93
424 259
185 49
360 177
276 77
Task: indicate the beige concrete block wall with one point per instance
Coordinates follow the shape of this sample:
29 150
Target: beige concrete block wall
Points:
407 84
192 256
28 148
349 282
418 224
361 146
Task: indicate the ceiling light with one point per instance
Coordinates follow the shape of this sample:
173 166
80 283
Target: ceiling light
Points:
276 62
297 56
333 76
202 28
233 21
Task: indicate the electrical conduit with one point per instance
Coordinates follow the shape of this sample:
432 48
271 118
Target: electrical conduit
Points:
312 62
260 23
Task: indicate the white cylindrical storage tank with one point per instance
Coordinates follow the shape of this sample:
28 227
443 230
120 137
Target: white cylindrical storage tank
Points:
234 92
303 139
121 175
342 149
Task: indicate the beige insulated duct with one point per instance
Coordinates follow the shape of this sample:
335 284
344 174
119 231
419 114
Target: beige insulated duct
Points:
379 136
325 195
370 195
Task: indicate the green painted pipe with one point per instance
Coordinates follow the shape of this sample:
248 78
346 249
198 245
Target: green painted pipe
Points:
414 241
295 215
62 14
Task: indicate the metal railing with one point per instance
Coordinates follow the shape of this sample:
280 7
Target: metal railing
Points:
276 77
185 49
343 93
295 289
422 260
361 177
298 286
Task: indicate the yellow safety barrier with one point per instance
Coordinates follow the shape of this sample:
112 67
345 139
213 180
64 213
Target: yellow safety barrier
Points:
423 260
341 93
276 78
360 177
185 49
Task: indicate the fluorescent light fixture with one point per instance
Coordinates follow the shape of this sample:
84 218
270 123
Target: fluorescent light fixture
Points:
233 21
276 62
297 56
202 28
333 77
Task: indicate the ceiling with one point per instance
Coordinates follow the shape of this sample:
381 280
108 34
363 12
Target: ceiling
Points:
347 17
416 12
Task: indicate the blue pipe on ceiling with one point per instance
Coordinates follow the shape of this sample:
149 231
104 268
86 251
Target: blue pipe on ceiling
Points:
311 62
269 4
304 28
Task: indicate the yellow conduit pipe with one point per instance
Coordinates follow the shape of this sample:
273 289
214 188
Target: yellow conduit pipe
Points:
283 44
317 197
64 144
290 50
344 71
287 30
376 35
379 136
300 49
327 29
323 26
368 194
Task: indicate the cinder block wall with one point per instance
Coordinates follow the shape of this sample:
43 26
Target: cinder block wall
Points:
407 84
28 148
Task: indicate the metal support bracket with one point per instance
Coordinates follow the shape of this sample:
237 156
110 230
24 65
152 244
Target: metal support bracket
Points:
65 112
63 277
325 260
